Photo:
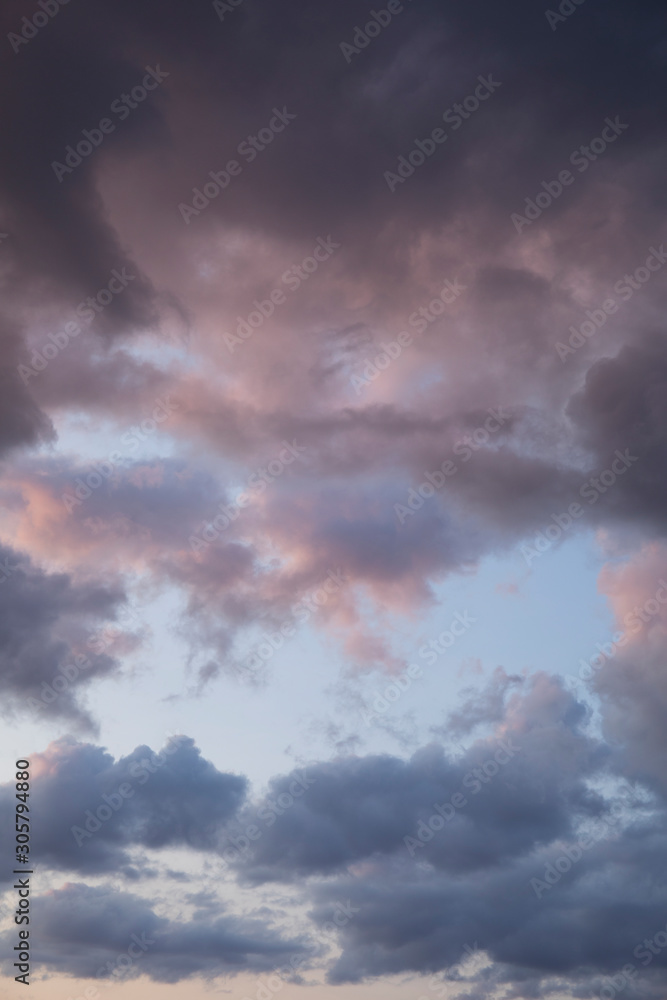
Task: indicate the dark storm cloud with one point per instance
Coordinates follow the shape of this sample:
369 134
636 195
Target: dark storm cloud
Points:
580 930
625 399
330 165
353 120
563 909
100 933
84 823
358 808
21 421
64 81
45 622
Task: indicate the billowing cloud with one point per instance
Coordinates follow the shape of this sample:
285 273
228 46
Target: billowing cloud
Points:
495 851
52 644
91 811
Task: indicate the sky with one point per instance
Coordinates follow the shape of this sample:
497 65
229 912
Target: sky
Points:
333 550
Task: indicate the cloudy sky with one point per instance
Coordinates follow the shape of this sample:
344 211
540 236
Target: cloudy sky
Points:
333 555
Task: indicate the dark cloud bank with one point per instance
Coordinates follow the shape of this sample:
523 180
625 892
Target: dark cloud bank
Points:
538 845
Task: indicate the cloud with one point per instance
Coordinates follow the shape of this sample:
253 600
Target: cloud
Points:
360 808
291 380
623 403
96 932
83 823
532 855
22 423
628 674
45 621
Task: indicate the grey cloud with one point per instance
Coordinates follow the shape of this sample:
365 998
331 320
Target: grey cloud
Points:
100 933
357 808
45 621
83 823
